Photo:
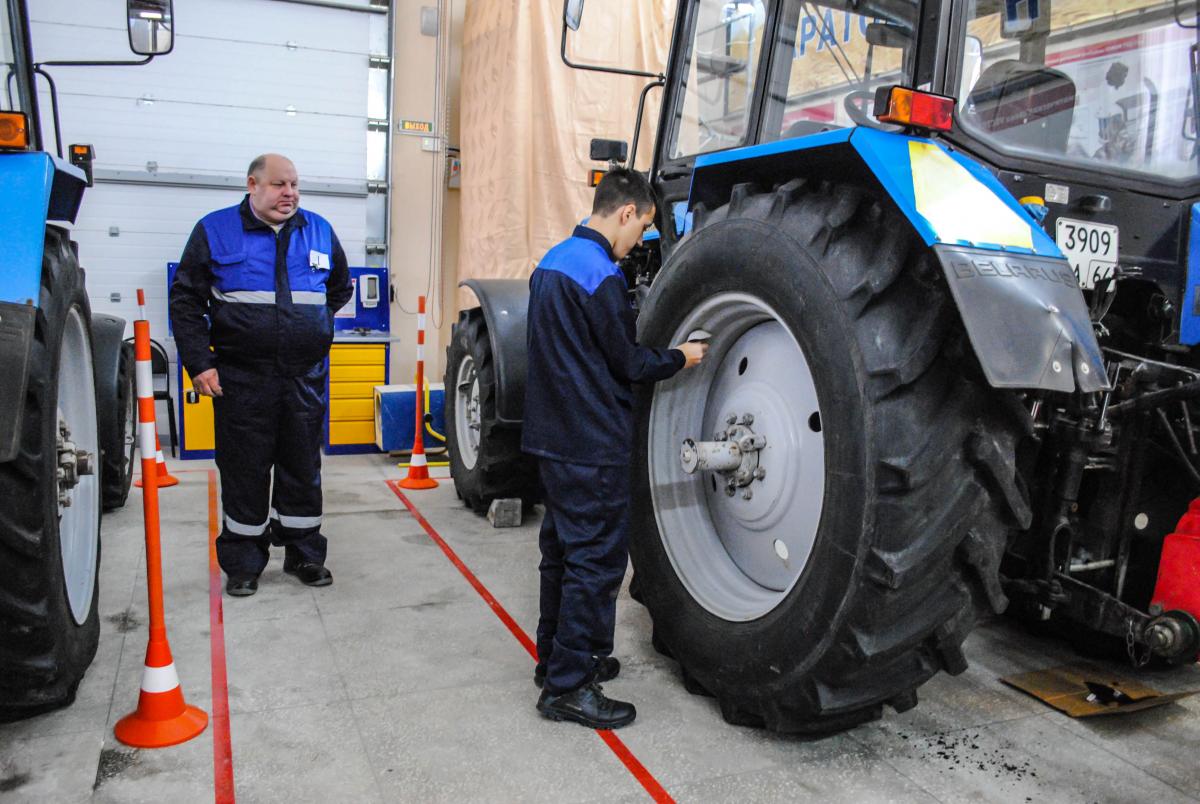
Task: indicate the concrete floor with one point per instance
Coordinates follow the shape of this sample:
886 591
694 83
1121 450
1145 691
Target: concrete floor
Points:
398 683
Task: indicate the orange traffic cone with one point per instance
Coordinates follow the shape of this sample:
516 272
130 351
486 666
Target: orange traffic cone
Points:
164 478
162 717
418 468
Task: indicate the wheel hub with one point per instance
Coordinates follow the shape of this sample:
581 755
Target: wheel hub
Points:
73 464
733 454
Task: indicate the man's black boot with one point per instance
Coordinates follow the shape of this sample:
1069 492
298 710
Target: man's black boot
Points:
587 706
241 585
309 574
607 668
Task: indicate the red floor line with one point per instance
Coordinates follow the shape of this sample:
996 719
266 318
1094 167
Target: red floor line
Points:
222 745
615 743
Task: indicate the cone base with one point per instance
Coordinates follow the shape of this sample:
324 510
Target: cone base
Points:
163 482
418 483
139 732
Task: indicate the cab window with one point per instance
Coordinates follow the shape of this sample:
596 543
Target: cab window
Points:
713 108
829 62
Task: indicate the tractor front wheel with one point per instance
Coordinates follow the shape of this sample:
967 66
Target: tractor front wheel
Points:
486 461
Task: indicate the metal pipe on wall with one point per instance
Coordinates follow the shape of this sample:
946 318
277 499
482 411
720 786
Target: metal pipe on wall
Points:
371 9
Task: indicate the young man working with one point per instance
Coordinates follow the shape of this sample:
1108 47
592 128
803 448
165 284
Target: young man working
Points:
583 360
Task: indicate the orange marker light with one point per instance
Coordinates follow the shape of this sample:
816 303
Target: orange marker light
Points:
594 177
909 107
14 130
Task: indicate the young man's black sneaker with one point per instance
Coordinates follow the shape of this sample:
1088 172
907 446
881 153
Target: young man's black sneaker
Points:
587 706
607 668
309 574
241 585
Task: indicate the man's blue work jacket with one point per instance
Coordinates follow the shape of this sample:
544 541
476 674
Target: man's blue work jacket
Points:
269 297
584 356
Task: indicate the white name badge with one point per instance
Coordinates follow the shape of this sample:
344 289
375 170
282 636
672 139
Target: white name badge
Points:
318 261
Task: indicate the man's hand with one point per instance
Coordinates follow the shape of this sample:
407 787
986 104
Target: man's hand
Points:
694 351
206 383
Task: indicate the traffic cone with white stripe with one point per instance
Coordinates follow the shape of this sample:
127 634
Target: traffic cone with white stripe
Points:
165 478
162 717
418 468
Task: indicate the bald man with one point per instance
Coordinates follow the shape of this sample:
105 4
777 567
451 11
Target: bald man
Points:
252 310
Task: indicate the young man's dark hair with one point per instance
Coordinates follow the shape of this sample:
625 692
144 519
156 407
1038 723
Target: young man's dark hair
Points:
620 187
583 360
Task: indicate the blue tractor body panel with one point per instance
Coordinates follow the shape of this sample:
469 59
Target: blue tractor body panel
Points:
34 187
948 198
1018 298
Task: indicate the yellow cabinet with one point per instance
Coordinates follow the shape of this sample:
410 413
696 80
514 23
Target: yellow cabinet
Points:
354 371
196 434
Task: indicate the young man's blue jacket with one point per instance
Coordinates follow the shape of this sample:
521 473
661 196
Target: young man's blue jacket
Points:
269 298
584 356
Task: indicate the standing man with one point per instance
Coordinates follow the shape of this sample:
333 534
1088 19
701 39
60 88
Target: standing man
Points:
583 360
259 283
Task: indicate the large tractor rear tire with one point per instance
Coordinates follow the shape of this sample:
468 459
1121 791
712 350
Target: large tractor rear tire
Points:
50 552
851 568
486 461
120 460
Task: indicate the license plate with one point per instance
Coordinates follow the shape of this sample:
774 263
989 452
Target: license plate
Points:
1091 248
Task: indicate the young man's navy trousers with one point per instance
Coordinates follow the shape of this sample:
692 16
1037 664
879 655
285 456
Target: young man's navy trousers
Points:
585 548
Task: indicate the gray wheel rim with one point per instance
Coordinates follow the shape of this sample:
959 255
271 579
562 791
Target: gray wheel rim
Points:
79 523
739 558
129 436
467 421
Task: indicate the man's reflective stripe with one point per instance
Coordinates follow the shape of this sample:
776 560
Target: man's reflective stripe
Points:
246 296
296 522
307 297
268 296
245 530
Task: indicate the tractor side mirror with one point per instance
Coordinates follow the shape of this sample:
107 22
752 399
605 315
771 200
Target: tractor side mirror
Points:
151 26
609 150
572 13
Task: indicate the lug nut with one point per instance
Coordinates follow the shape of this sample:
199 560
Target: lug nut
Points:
731 419
748 419
747 494
721 435
760 473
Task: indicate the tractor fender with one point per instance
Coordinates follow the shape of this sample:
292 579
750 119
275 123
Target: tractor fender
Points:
505 304
108 332
1019 300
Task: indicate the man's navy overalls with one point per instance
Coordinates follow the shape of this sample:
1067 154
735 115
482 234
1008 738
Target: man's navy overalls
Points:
269 298
583 358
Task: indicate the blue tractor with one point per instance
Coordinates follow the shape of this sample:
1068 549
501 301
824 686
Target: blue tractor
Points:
948 252
67 395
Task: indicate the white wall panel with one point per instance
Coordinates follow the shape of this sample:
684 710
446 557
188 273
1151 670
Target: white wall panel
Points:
219 99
